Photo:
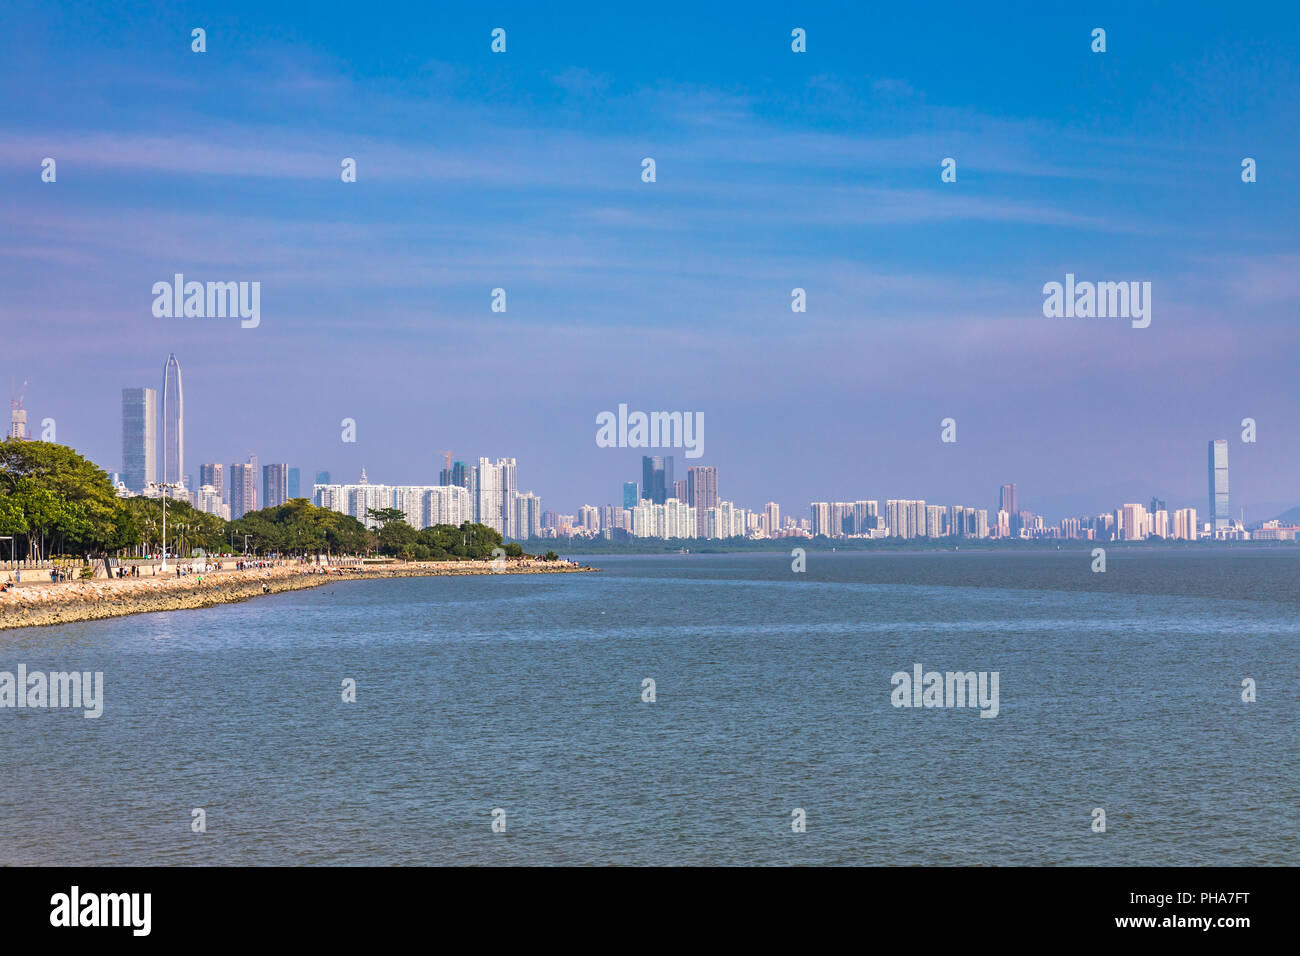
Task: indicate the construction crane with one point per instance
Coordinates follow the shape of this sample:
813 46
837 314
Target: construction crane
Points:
447 457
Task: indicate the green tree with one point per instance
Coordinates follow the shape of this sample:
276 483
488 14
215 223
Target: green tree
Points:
397 538
385 515
56 493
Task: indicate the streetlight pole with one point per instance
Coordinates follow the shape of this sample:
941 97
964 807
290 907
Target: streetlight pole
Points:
160 486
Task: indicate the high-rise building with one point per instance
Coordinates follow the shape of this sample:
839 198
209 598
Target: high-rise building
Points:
173 422
841 520
905 518
447 504
631 494
672 519
613 517
527 520
1218 478
1134 522
323 478
657 478
275 485
1185 524
1007 503
213 475
243 489
821 518
864 516
139 437
466 476
489 496
1007 499
17 421
508 469
295 483
957 521
208 500
916 518
701 492
772 512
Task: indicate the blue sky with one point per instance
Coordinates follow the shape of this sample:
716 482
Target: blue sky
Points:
775 170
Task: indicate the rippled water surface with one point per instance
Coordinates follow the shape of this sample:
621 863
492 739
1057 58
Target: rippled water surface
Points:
1120 691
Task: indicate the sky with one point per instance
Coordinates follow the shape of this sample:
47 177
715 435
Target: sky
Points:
775 170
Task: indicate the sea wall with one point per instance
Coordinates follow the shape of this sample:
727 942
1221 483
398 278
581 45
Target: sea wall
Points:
31 605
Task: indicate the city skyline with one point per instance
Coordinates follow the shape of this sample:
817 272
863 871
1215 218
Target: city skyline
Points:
491 488
488 493
656 473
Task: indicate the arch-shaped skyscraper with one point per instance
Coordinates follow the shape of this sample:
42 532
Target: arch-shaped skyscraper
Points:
173 422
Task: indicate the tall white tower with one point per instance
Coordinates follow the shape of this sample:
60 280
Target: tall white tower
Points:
173 422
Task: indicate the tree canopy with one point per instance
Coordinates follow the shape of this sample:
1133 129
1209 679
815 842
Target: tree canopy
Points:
52 497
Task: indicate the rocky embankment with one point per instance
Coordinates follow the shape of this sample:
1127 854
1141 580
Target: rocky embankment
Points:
48 603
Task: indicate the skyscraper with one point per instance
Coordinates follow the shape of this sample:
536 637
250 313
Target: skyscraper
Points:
1007 503
631 494
323 478
173 422
772 512
821 517
1218 476
139 437
243 489
17 420
701 492
1136 524
489 496
656 478
275 485
214 475
1185 524
295 483
466 476
528 515
508 469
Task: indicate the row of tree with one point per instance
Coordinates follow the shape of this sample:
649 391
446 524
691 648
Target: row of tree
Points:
54 501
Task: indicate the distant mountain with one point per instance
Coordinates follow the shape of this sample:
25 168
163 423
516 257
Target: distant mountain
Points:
1290 516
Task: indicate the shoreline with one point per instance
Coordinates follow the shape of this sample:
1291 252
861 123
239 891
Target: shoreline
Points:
39 605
